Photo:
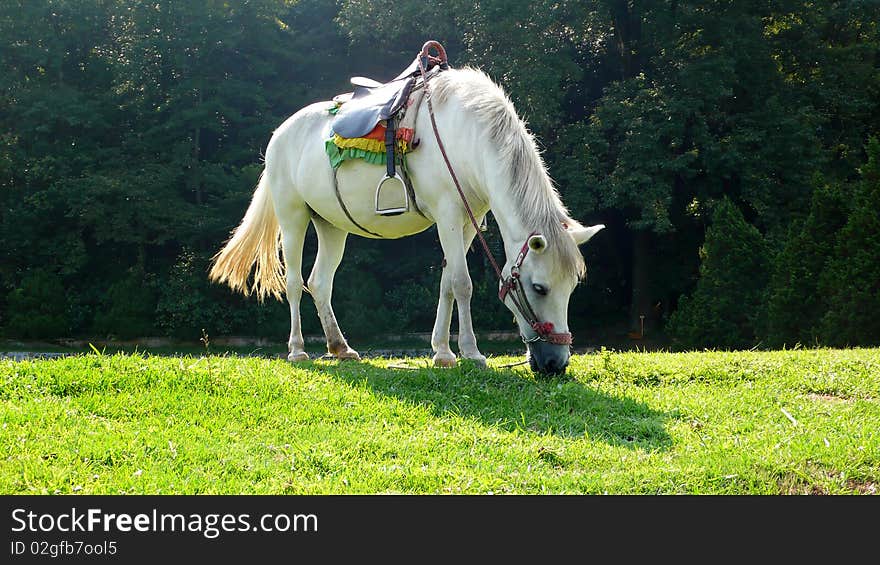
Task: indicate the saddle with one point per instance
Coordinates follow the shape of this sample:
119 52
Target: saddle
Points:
370 104
373 101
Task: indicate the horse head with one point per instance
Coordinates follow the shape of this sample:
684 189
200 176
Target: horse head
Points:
537 285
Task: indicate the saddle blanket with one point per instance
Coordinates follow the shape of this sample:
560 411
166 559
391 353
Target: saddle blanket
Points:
371 147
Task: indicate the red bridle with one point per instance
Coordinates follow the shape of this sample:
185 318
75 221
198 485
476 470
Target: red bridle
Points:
510 286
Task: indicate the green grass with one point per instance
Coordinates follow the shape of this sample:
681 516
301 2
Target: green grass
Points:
786 422
366 346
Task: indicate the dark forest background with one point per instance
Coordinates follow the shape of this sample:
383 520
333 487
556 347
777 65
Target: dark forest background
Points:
729 147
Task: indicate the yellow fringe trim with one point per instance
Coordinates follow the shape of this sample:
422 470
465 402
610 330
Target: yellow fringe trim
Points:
372 145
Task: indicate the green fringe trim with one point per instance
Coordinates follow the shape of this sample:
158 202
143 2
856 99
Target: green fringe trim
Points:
339 155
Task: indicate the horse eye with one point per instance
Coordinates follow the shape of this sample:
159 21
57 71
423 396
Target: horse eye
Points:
542 290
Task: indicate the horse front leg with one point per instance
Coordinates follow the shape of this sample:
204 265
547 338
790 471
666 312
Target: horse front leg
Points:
443 355
331 247
455 284
467 340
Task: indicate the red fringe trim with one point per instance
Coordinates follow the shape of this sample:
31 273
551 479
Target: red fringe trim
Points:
378 132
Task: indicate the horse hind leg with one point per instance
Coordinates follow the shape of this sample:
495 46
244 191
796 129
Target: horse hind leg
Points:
331 246
294 223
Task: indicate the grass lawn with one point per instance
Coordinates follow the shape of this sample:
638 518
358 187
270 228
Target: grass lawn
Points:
784 422
367 347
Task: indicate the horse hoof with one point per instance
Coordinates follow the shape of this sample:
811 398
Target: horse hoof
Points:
478 360
444 360
298 356
349 354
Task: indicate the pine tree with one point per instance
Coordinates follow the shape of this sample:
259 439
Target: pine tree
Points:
851 281
723 311
794 304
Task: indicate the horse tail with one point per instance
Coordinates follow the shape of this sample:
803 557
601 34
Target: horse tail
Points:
253 246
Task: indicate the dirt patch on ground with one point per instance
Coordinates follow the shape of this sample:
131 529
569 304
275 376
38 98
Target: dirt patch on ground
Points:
863 487
814 479
827 398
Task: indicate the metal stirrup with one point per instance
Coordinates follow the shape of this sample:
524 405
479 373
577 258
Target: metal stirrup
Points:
391 176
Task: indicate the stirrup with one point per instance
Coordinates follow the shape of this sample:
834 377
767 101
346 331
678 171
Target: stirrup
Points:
396 210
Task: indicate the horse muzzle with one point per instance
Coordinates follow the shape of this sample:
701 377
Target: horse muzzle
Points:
548 358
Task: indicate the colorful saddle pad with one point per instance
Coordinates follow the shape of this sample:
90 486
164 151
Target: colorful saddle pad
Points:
371 147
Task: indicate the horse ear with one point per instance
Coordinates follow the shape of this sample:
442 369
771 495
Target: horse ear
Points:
583 234
537 243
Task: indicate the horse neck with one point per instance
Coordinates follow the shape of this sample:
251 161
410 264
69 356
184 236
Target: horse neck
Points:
492 181
504 210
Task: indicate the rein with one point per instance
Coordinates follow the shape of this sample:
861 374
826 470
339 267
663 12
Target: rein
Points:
511 286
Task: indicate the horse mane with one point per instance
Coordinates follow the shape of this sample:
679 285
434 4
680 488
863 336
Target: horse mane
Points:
537 200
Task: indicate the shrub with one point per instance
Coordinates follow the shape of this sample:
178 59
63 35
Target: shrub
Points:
185 306
38 307
128 309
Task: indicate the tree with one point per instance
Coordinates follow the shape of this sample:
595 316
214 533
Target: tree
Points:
698 113
795 305
57 124
131 133
851 280
725 308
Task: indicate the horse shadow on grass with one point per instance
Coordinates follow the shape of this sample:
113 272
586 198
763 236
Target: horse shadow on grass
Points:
514 399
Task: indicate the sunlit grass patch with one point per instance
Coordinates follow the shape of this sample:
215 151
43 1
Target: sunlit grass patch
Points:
781 422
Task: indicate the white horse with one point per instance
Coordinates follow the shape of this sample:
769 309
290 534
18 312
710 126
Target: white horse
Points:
499 169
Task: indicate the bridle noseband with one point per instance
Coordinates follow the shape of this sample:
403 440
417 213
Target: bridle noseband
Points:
511 285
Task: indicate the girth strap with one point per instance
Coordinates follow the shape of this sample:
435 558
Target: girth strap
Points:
409 188
345 208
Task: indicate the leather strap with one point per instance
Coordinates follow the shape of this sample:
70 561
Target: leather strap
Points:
390 132
412 192
345 209
510 286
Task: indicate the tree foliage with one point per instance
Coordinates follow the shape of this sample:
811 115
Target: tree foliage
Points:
851 280
724 311
795 304
131 135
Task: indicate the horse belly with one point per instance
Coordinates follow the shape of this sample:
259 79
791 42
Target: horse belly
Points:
356 184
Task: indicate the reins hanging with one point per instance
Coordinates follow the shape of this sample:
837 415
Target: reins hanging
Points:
510 286
443 61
